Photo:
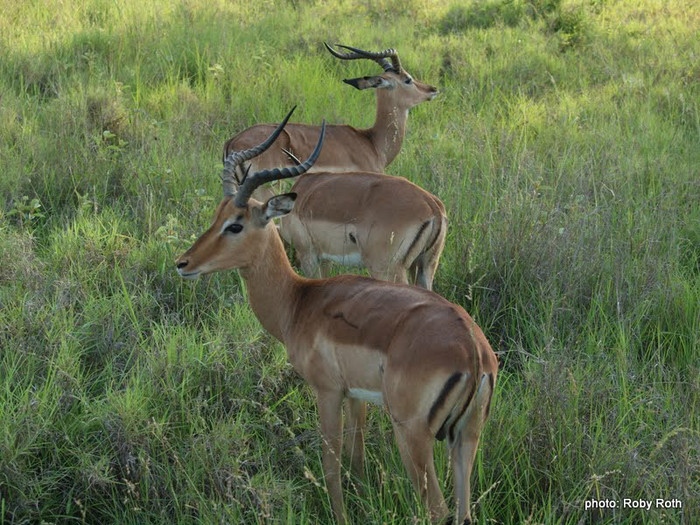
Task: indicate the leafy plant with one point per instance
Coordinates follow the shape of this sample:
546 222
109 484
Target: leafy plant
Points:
26 211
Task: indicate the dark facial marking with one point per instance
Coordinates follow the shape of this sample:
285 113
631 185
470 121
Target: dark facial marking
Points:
234 228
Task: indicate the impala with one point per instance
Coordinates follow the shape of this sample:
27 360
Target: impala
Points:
386 224
348 148
353 337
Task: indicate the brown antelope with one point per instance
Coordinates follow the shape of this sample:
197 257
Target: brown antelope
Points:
386 224
348 148
353 337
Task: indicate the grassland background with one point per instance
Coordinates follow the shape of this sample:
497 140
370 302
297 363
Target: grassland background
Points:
565 145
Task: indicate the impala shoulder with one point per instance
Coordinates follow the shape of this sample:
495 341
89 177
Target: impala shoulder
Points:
308 182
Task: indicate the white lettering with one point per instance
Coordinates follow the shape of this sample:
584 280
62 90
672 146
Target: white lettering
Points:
669 503
600 504
628 503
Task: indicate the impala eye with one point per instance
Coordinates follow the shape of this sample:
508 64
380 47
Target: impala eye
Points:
234 228
409 80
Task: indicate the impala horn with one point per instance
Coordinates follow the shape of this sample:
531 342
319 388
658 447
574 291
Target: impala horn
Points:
251 182
236 158
380 57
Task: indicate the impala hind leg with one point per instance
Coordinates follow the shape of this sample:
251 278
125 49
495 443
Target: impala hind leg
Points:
427 263
463 449
462 456
330 412
416 448
310 264
325 268
425 274
355 417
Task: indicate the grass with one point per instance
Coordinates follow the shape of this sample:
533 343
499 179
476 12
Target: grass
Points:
565 145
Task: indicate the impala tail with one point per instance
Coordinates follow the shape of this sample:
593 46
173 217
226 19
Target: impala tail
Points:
456 403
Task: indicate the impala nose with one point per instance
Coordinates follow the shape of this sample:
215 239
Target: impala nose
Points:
432 92
181 265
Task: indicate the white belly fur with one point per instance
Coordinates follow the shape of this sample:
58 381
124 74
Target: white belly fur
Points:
366 395
348 259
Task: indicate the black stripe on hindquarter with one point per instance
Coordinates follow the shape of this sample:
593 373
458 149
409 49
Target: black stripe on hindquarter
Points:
415 240
446 389
451 432
436 234
488 405
441 432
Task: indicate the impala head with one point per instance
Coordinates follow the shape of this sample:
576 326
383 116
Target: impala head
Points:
395 83
235 239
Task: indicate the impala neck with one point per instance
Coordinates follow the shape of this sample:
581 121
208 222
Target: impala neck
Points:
389 127
272 284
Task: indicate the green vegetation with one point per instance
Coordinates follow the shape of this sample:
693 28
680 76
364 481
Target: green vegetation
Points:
565 145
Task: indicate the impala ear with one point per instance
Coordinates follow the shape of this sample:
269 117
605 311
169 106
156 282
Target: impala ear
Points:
276 206
368 82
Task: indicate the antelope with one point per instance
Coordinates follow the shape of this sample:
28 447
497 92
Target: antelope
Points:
387 224
358 339
348 148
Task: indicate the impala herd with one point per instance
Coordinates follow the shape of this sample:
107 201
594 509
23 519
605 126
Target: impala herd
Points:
356 339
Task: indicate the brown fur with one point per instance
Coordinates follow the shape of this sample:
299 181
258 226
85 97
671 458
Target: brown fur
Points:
352 332
345 148
390 222
388 231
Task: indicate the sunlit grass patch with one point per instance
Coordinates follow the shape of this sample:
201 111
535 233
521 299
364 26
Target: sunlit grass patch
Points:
564 144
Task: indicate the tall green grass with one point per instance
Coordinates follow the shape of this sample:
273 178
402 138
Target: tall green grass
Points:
565 144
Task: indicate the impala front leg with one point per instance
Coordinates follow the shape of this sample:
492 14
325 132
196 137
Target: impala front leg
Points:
325 268
330 405
310 264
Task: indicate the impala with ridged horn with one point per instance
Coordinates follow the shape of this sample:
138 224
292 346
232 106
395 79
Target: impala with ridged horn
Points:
347 148
357 339
386 224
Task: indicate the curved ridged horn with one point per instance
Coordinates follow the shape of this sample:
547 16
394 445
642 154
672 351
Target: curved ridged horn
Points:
261 177
380 57
235 158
